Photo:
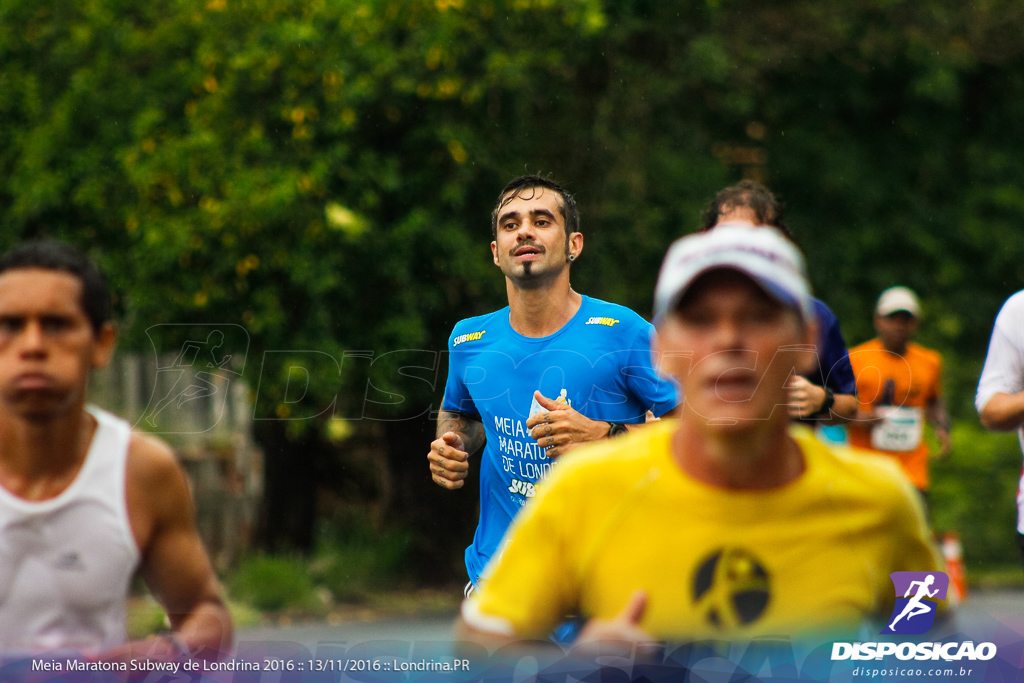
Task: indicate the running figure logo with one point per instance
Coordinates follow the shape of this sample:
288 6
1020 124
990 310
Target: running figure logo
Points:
915 614
195 365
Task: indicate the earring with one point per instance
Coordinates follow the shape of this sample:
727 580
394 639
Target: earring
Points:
572 257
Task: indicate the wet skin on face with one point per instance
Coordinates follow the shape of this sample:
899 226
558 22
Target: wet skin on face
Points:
531 245
47 344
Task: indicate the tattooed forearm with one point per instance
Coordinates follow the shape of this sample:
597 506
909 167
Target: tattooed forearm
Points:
451 422
472 431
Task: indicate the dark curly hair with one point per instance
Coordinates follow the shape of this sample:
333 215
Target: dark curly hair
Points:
516 187
767 209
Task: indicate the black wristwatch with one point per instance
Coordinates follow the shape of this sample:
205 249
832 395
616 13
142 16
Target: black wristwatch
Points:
826 406
616 428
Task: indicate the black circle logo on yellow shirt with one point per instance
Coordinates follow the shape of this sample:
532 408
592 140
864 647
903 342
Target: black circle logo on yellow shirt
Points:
731 588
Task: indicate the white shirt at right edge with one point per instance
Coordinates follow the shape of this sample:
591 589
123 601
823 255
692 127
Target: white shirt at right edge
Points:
1004 370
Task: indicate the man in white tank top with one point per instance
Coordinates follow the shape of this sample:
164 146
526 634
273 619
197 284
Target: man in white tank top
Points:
84 501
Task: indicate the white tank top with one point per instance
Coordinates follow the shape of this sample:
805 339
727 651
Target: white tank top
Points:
66 563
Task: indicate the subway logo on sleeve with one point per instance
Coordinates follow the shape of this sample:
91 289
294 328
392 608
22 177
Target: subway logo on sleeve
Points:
472 336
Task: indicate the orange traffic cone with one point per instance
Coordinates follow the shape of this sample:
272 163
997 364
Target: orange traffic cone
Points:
952 552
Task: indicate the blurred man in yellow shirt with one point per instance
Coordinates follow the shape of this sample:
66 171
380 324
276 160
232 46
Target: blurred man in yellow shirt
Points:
726 522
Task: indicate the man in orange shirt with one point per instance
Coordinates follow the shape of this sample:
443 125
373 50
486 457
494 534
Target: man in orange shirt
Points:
898 388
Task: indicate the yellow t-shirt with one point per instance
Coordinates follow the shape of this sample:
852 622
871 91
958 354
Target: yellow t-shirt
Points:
621 516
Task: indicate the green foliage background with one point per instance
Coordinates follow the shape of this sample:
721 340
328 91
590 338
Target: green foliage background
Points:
321 171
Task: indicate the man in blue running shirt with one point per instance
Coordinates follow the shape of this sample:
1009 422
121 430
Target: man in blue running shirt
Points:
552 370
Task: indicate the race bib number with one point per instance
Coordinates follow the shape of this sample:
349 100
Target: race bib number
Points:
899 430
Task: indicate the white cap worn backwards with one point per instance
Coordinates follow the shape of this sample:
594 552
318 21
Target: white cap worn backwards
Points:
761 252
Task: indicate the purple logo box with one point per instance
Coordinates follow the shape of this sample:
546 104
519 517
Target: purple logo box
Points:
902 580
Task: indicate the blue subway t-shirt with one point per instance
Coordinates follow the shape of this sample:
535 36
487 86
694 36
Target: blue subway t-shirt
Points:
599 363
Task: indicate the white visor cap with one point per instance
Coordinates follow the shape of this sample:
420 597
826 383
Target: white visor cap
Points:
761 252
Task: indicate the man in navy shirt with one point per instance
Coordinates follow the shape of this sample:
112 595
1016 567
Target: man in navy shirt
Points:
830 391
551 371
